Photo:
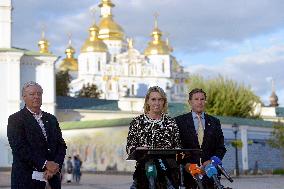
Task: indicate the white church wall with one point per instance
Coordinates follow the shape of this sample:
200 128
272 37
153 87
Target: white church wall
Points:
10 98
38 69
161 65
114 46
88 63
44 70
5 23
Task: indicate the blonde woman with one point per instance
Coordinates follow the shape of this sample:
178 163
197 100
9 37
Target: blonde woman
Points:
154 129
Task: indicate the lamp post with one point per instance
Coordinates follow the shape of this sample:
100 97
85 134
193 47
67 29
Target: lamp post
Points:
235 128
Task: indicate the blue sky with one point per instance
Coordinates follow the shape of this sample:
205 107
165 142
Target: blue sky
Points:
242 40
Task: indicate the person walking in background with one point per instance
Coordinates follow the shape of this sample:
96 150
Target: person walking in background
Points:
77 169
154 129
36 141
199 130
69 167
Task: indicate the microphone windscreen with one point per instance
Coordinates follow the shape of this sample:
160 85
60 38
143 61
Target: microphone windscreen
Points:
151 170
210 170
216 161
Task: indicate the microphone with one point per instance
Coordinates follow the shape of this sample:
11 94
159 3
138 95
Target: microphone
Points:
196 173
211 172
151 173
218 163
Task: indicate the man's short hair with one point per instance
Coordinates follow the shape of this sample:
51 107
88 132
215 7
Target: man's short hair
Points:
194 91
28 84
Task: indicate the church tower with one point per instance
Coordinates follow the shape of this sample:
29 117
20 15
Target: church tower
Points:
110 32
5 23
158 53
69 63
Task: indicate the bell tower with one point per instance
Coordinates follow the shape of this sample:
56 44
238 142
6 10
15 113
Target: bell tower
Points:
5 23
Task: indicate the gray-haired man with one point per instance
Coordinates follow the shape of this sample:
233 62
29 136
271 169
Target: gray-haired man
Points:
37 144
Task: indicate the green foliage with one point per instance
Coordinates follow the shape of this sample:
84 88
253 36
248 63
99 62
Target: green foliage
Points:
62 83
226 97
277 136
237 143
278 172
90 91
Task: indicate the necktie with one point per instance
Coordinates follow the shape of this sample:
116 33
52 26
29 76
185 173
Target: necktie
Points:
200 131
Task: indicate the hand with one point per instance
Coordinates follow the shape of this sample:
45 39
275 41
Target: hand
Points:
52 167
206 163
47 175
142 147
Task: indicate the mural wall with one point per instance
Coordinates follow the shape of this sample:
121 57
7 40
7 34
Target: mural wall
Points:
100 149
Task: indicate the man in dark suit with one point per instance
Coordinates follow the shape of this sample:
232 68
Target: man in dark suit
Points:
36 141
199 130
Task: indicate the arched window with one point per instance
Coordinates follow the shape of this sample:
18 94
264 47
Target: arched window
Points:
87 65
132 90
110 86
99 65
163 66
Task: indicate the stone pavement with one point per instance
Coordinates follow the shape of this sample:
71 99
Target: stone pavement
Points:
102 181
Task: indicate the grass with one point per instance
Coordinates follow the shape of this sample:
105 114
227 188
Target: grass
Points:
95 123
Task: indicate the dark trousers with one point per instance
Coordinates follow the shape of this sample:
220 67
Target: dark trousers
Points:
36 184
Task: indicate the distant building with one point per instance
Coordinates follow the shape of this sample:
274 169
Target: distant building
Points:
272 112
119 70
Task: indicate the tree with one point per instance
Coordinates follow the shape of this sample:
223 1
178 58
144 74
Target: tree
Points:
277 136
62 83
90 91
226 97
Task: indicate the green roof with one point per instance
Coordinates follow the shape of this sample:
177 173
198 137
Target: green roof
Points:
66 102
279 111
245 121
95 123
25 51
126 121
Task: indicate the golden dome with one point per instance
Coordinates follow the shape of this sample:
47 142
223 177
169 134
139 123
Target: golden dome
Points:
93 43
43 44
109 29
106 3
69 63
157 45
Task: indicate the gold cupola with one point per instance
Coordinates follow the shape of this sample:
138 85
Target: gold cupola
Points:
93 43
69 62
43 44
109 29
157 46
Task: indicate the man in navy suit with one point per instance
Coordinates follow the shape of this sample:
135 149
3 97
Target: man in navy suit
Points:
199 130
36 141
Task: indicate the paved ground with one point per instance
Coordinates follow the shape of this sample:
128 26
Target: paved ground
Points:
99 181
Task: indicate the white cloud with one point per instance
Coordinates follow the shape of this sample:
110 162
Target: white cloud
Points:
254 69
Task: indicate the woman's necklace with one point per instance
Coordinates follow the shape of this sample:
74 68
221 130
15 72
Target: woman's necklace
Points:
155 121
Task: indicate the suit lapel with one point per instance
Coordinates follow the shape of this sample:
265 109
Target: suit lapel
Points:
208 128
46 123
33 123
191 128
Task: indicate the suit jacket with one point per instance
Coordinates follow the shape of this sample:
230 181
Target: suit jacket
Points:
213 141
30 149
213 144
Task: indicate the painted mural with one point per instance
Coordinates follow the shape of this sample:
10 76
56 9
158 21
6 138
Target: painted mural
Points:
100 149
